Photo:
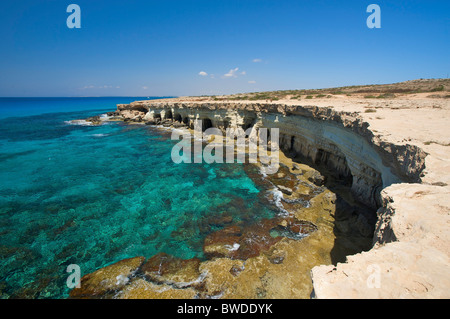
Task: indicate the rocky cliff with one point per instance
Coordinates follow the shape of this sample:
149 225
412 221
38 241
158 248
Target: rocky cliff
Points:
340 141
410 254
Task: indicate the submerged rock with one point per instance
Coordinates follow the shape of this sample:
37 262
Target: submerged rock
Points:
220 220
257 238
243 243
223 243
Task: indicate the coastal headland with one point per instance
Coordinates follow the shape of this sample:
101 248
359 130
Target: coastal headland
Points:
373 165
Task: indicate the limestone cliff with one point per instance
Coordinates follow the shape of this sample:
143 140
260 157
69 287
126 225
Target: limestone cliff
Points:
339 140
410 256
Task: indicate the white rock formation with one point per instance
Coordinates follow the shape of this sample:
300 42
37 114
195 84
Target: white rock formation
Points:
410 257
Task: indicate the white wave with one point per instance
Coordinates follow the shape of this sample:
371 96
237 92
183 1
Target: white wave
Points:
277 198
218 296
104 117
122 280
262 171
198 280
78 122
99 135
233 247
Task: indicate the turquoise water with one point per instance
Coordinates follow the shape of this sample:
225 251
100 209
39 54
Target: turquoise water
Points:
93 195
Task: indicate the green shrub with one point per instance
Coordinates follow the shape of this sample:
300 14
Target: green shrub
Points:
386 96
438 89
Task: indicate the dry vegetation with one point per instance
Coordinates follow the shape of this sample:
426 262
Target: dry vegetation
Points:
438 88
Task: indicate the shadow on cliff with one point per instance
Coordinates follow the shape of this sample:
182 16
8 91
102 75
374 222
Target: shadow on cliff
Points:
354 226
354 221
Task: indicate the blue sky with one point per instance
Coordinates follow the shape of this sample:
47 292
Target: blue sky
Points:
160 48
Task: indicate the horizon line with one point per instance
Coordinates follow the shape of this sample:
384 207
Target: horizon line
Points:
83 97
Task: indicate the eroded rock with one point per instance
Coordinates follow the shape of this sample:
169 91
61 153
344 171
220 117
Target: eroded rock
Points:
107 279
285 190
167 269
142 289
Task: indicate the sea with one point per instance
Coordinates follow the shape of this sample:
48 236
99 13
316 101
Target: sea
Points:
93 195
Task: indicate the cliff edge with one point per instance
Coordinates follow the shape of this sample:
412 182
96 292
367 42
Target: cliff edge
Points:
395 149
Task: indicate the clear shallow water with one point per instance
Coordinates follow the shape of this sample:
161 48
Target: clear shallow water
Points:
93 195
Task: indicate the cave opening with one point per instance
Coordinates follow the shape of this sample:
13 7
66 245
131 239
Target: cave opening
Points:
355 220
142 109
168 115
177 118
248 122
206 124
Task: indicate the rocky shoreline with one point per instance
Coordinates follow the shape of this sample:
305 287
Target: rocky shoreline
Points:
340 141
378 173
244 260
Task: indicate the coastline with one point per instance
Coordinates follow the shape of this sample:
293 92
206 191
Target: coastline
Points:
399 223
230 272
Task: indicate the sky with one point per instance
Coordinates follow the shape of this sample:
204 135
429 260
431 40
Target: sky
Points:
212 47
